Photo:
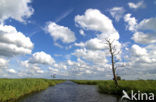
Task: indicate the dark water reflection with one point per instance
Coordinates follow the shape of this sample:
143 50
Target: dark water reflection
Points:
70 92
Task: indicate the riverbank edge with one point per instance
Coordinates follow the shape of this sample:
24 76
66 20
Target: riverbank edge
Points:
108 86
41 84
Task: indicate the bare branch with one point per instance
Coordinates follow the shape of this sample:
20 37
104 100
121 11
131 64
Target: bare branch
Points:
117 53
107 41
112 41
114 50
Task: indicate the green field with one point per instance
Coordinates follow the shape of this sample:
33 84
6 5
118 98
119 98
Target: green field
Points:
108 87
12 89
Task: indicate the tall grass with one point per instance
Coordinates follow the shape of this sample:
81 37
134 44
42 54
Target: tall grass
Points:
88 82
108 86
144 86
12 89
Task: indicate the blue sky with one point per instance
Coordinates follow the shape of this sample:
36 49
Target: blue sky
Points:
50 41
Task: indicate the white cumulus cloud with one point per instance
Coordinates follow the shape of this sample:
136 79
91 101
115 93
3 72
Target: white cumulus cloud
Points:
138 51
13 42
96 57
3 63
144 38
12 71
15 9
132 22
144 31
41 58
143 55
93 44
93 19
59 32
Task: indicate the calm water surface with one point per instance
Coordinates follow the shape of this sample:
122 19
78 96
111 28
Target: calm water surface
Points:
70 92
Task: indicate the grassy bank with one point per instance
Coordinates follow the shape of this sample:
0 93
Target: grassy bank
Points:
88 82
12 89
108 87
144 86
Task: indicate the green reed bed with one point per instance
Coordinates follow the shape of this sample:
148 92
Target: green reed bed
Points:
12 89
108 86
144 86
88 82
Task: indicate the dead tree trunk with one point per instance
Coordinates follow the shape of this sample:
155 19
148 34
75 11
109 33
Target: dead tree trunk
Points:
112 61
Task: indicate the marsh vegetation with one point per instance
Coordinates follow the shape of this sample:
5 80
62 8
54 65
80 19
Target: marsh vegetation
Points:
12 89
108 87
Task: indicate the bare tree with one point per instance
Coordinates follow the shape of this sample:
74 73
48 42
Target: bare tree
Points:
113 52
